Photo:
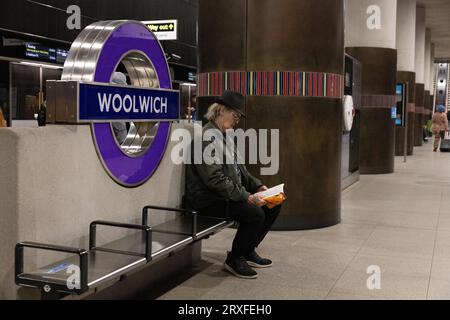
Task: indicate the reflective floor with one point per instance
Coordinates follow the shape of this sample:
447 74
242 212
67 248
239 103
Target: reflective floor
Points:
399 223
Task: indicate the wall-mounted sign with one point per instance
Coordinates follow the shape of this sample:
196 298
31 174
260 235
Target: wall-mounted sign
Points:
192 76
393 112
163 29
103 45
100 102
45 54
61 55
183 73
400 92
41 53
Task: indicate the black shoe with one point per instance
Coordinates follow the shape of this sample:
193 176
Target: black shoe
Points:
240 268
254 260
434 149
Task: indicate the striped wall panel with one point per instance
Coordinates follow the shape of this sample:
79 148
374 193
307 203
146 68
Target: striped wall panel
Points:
271 83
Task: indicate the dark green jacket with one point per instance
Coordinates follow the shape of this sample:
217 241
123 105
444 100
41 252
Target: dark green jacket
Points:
207 183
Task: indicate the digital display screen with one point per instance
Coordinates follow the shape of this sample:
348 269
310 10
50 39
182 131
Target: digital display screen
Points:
45 54
394 112
182 73
40 53
61 55
192 76
400 89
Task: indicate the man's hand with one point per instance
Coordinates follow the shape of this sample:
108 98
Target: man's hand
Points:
256 200
262 188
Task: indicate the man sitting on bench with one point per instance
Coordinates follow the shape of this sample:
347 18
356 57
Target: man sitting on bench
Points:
210 187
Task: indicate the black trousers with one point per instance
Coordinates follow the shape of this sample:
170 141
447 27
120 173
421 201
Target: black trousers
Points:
254 223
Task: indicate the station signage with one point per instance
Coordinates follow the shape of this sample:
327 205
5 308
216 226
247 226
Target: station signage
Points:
163 29
45 54
99 102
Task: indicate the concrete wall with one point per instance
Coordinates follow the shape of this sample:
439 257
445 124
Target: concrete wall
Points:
52 185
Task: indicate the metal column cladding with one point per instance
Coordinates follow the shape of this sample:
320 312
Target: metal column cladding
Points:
94 56
379 78
410 79
287 58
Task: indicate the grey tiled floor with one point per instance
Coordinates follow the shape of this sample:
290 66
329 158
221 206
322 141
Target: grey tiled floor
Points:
399 222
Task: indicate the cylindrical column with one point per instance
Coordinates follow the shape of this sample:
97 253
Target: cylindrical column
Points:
406 39
420 76
371 38
289 65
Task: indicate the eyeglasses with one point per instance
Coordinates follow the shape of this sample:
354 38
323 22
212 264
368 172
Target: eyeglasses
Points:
237 117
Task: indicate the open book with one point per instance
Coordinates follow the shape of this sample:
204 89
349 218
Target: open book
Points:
272 191
273 196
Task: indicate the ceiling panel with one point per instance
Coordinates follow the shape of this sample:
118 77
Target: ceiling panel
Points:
438 20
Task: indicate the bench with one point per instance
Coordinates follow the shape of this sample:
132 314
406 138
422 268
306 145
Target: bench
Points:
118 258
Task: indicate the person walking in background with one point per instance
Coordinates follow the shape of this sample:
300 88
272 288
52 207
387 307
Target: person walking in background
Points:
440 126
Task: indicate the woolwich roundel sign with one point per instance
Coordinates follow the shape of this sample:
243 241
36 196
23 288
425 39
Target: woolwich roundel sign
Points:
94 57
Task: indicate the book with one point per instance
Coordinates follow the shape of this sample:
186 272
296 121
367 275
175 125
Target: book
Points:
273 196
272 191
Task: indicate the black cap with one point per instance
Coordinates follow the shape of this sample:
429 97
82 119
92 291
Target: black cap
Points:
233 100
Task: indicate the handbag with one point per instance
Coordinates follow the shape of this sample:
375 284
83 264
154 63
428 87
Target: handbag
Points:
445 143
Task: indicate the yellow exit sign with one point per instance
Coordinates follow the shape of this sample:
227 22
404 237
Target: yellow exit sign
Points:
163 29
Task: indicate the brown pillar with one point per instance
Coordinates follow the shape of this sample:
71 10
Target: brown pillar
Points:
287 58
377 141
410 79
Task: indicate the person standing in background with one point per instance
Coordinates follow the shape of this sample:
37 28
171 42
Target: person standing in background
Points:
440 126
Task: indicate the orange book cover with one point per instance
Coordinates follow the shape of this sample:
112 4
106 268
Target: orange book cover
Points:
273 196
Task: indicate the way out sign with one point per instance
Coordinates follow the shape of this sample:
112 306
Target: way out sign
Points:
163 29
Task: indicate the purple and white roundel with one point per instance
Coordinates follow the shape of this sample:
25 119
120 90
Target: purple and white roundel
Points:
130 171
